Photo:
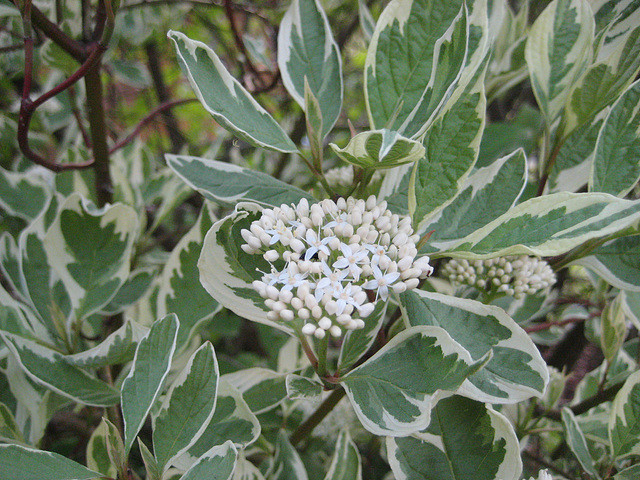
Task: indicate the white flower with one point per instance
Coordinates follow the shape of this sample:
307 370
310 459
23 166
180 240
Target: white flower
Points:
350 260
381 282
316 244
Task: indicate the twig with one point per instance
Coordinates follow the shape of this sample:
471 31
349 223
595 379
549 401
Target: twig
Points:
159 109
547 325
322 411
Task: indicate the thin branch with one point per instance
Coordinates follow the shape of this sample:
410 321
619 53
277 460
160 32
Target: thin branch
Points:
74 48
322 411
158 110
547 325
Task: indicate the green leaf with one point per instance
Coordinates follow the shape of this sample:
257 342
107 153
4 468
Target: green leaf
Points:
226 271
624 420
486 194
90 250
314 122
180 274
550 225
228 184
143 384
21 463
115 448
367 23
357 342
187 408
308 53
151 466
345 464
131 291
452 144
516 370
223 97
577 442
287 464
217 464
618 262
24 194
391 392
466 440
415 58
558 50
616 164
630 473
261 388
379 149
614 327
50 369
299 387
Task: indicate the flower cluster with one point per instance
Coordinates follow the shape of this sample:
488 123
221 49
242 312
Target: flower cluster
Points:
513 275
343 176
332 261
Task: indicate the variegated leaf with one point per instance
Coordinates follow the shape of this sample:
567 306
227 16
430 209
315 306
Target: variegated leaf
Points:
223 97
618 262
131 291
630 473
50 369
180 274
90 250
346 463
306 50
624 420
226 271
577 442
515 372
299 387
631 307
287 464
22 463
616 163
232 420
151 466
118 347
550 225
261 388
24 194
465 440
452 143
143 384
245 470
367 23
379 149
9 429
98 458
357 342
217 464
616 21
558 50
391 392
487 193
414 60
227 184
614 327
187 408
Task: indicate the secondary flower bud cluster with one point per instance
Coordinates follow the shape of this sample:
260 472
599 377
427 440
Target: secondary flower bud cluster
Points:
513 275
332 261
343 176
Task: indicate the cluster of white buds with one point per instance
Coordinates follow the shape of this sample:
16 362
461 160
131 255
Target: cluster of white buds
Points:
332 261
343 176
513 275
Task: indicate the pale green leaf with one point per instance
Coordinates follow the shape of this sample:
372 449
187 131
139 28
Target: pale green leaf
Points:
466 440
223 97
414 60
391 392
187 408
144 382
367 23
24 194
245 470
22 463
614 327
314 121
150 464
9 429
558 50
516 370
50 369
550 225
616 163
131 291
618 262
228 184
577 442
308 53
346 463
624 420
98 452
379 149
217 464
631 473
357 342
